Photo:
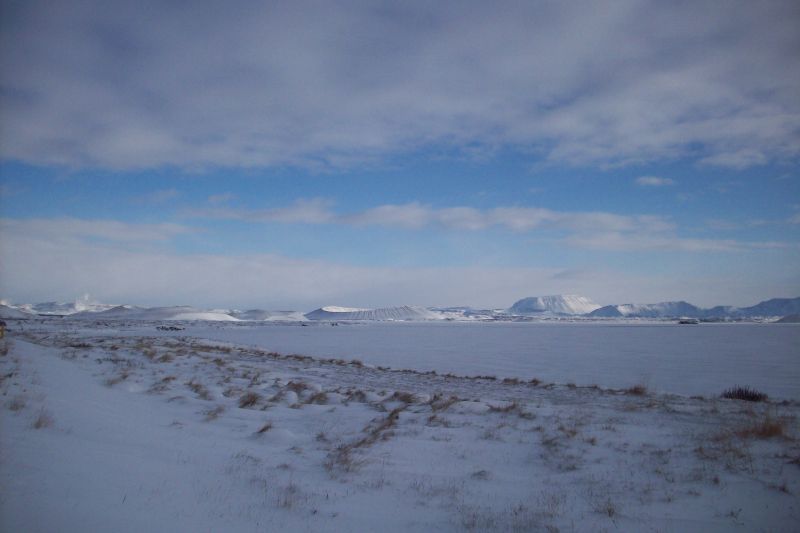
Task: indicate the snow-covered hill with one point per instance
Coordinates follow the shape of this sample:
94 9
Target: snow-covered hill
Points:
562 304
404 312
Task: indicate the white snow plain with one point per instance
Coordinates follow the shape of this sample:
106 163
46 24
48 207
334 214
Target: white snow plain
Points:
701 360
122 427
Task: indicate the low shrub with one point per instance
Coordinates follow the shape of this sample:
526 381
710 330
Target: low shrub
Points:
744 393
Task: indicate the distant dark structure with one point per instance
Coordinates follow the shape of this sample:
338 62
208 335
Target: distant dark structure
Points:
2 329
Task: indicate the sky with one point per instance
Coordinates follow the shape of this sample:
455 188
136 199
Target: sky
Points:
289 155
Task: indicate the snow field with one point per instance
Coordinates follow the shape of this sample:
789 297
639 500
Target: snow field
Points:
183 434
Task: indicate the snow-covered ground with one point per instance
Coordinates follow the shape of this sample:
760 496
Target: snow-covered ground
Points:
666 357
130 428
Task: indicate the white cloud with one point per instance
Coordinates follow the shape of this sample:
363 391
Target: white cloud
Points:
99 84
653 181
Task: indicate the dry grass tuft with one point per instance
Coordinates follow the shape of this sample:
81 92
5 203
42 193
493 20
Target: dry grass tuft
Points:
767 428
213 414
199 389
503 408
297 387
266 427
636 390
249 399
439 403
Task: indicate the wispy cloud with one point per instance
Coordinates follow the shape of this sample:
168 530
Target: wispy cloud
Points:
158 197
415 215
221 198
319 85
591 230
71 230
653 181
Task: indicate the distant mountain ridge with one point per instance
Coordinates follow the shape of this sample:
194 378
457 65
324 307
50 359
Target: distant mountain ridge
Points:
533 307
768 308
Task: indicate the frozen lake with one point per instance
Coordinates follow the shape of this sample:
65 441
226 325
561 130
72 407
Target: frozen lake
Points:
691 360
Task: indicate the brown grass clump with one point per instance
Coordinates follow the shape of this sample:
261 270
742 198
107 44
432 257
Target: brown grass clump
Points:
636 390
199 389
405 397
297 387
249 399
320 398
767 428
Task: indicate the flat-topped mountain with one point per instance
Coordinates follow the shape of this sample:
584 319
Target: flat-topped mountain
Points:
562 304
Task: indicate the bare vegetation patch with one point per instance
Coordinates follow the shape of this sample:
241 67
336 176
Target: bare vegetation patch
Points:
766 428
119 378
439 403
213 414
17 403
263 429
43 420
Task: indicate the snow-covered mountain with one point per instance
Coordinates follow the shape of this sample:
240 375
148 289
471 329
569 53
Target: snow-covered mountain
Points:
62 308
773 307
10 312
260 315
404 312
181 312
769 308
562 304
663 309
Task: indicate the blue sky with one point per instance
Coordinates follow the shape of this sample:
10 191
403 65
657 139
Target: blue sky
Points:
371 154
